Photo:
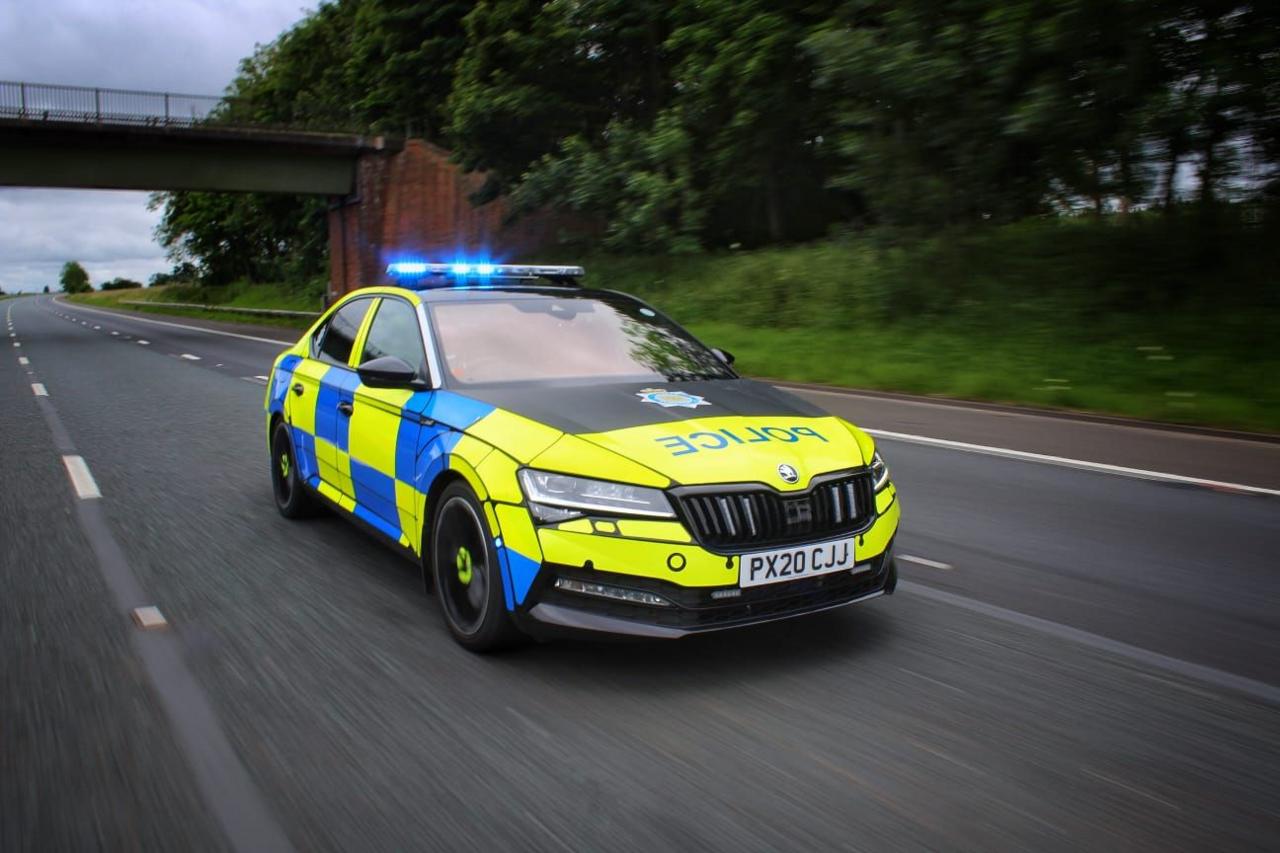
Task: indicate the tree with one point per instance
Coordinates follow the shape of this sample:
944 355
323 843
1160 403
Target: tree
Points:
74 278
120 284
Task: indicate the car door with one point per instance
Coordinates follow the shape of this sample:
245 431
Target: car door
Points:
386 423
333 348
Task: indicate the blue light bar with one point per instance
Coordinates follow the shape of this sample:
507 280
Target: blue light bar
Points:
463 271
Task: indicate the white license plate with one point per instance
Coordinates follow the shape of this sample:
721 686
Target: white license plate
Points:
789 564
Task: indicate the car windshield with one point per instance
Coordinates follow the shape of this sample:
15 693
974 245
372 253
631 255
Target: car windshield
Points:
547 337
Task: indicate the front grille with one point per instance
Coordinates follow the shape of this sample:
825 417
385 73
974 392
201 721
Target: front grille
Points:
758 516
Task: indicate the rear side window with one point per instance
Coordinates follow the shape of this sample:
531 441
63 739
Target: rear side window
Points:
395 331
335 340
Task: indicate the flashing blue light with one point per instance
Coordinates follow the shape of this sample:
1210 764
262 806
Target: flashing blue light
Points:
407 268
420 275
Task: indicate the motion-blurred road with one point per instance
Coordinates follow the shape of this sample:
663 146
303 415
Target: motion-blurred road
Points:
1075 659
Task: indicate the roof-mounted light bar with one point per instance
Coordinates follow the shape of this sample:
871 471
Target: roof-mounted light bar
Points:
415 273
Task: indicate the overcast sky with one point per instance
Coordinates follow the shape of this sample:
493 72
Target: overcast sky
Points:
187 46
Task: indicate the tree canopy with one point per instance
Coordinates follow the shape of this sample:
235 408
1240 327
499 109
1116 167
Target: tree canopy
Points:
74 278
691 124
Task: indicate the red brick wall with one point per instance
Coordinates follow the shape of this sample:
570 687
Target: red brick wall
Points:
414 204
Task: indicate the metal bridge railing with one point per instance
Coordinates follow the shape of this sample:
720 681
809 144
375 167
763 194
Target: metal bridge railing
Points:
81 104
45 102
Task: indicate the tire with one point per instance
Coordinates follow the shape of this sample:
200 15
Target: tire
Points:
468 577
293 498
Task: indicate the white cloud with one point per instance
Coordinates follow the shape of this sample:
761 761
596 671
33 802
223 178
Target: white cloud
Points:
186 46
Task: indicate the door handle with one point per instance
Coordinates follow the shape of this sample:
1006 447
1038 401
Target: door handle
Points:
345 408
297 388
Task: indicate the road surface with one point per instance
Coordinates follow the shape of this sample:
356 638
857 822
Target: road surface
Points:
1076 658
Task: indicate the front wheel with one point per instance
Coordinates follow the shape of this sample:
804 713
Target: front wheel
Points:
467 575
292 498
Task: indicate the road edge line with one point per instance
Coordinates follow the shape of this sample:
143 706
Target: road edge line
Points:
1084 465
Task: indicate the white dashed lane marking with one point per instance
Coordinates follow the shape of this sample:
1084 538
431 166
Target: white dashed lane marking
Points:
921 561
39 390
23 360
144 343
149 618
81 479
115 333
189 357
257 380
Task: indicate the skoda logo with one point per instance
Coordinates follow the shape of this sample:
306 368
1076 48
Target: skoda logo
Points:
787 473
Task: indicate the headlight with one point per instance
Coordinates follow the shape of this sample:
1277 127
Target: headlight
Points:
879 471
557 497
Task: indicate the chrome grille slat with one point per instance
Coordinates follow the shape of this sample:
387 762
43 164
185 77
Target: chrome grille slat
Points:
742 519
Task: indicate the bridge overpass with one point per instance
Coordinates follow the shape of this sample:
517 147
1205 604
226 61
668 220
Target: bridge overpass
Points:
390 197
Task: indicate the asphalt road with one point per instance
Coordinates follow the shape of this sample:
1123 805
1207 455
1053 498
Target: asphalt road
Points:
1075 659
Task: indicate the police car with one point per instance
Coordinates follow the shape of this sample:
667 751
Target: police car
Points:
560 457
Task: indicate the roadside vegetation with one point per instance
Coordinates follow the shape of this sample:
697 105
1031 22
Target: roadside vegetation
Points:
289 297
1140 318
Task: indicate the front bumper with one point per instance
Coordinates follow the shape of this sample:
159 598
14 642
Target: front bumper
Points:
694 610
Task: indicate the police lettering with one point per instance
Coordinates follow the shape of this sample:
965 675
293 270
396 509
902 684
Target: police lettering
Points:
682 445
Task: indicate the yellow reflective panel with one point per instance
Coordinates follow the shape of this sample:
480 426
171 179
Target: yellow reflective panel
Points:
738 449
408 501
375 426
884 497
519 437
517 531
498 470
300 409
460 464
638 558
327 461
572 455
665 531
875 540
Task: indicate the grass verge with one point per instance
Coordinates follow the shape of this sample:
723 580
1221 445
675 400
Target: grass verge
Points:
1161 318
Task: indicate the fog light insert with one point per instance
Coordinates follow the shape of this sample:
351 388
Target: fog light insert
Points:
615 593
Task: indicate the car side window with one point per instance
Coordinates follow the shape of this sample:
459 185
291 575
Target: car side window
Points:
395 331
334 342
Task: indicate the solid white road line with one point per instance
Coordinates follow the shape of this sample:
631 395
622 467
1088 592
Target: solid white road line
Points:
39 390
1186 669
921 561
256 380
272 341
1098 467
81 479
23 360
189 357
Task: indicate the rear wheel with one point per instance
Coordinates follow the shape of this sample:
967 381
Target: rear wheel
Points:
467 575
293 499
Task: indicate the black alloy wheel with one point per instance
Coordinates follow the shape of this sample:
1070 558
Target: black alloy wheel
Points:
292 497
468 578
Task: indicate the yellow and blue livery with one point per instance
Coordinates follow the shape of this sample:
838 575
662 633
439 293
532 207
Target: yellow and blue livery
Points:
558 457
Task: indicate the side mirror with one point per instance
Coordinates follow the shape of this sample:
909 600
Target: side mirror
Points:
388 372
723 354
